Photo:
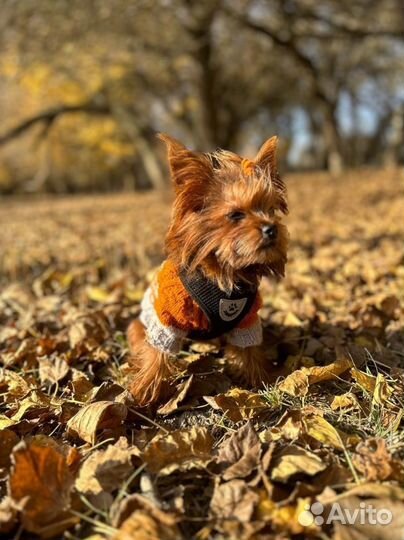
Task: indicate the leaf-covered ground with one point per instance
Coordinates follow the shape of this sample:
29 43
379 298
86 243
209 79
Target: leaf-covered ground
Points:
79 460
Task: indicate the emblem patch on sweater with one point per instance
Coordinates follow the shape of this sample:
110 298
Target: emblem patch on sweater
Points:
230 309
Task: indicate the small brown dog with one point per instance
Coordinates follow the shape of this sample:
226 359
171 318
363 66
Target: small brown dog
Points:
225 234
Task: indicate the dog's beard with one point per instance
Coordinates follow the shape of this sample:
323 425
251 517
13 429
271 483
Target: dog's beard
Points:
226 259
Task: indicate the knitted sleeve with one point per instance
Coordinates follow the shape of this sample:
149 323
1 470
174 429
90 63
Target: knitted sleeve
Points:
248 332
168 311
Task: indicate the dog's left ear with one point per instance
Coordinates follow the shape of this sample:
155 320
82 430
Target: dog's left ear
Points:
185 165
266 160
266 157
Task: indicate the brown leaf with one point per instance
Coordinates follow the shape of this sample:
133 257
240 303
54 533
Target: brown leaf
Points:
366 381
234 500
298 382
105 470
52 370
181 393
147 523
8 439
288 427
295 384
89 331
96 416
329 372
134 503
373 459
344 402
382 391
367 529
295 460
240 453
178 446
39 486
317 427
238 404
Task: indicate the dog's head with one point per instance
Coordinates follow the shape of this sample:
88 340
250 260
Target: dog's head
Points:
227 213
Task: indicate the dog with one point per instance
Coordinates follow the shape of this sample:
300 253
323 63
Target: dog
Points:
226 233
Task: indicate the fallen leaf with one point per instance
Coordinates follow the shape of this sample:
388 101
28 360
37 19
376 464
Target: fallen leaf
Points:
285 517
240 454
345 402
329 372
234 500
368 528
8 439
89 331
39 486
52 370
105 470
238 404
321 430
177 447
179 396
298 382
142 526
295 384
366 381
94 417
6 422
373 460
295 460
288 427
382 391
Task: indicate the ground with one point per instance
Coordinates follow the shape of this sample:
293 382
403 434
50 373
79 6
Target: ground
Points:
79 460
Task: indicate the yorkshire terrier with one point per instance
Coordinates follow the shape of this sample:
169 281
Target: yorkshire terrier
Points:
225 234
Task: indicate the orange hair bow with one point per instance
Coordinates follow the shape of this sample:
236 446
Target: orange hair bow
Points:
248 167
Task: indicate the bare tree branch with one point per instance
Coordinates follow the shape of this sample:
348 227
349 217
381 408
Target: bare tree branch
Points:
49 116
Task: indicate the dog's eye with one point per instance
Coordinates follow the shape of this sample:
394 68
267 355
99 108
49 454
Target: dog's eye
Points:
236 215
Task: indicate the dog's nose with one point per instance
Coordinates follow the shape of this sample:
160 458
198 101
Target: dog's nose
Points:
269 232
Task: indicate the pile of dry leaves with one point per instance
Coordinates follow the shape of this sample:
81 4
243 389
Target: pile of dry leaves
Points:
216 461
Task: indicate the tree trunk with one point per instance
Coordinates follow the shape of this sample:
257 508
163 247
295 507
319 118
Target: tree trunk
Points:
394 139
335 164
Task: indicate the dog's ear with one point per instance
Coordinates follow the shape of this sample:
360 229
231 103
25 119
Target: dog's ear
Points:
186 165
266 160
266 157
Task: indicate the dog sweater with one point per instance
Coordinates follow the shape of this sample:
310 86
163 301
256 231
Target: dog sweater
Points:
176 306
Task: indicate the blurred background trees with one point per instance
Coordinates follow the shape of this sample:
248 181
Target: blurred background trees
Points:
84 86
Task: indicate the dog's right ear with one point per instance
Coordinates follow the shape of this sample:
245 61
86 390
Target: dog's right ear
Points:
186 165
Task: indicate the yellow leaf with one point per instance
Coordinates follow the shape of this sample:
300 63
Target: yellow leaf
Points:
318 374
98 415
287 517
298 382
295 460
292 320
367 382
382 391
321 430
344 401
177 447
295 384
238 404
98 294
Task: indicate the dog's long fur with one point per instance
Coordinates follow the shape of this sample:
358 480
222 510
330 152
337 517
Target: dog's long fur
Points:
209 189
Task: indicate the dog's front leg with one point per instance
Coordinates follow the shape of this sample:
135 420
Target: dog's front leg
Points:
247 364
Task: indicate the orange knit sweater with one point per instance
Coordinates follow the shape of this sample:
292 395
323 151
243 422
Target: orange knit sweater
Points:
169 313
